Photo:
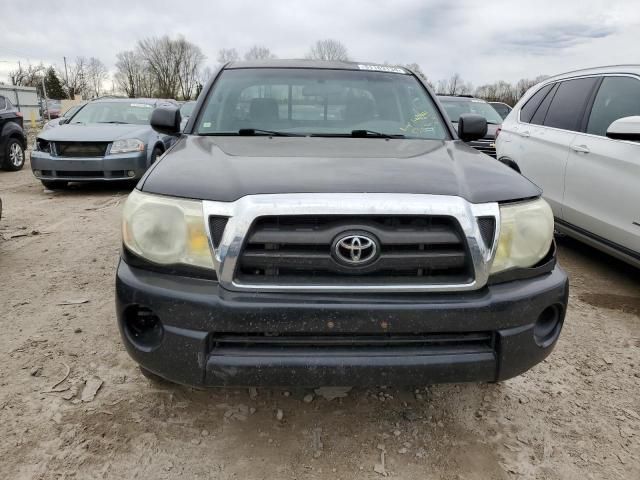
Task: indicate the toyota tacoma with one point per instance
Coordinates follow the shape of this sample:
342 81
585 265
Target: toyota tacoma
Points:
324 223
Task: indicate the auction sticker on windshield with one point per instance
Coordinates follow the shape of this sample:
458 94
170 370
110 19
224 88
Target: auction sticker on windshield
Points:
141 105
382 68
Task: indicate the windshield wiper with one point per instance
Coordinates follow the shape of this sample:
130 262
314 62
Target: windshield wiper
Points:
362 134
116 122
259 131
372 133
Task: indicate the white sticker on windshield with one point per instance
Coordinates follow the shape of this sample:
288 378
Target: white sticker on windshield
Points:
143 105
382 68
206 124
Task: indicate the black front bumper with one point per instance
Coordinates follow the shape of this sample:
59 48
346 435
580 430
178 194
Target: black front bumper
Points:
211 336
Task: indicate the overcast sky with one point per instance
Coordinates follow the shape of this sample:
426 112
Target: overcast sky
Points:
482 40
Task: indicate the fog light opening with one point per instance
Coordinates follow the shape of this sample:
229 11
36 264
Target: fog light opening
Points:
143 327
37 173
131 173
547 327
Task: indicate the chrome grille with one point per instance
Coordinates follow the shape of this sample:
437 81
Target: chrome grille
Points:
485 146
300 250
432 243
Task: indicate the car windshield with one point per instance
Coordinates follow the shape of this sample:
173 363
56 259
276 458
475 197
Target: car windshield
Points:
71 112
115 112
320 102
457 107
187 109
502 109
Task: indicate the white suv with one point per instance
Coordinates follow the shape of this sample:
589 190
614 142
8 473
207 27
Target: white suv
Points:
577 136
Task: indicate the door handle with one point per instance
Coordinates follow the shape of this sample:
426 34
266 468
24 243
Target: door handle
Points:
580 148
525 134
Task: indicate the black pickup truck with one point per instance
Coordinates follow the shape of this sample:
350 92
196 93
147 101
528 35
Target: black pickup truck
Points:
323 223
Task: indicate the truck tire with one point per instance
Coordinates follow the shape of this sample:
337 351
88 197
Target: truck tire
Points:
13 155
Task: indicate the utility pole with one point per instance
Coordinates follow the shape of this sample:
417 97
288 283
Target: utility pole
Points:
66 76
46 102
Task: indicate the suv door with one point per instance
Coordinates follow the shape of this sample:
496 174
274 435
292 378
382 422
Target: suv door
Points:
546 140
602 186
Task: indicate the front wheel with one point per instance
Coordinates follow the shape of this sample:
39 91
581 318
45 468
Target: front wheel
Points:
54 184
13 155
157 151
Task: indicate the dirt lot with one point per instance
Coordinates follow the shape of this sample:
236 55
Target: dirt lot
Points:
575 416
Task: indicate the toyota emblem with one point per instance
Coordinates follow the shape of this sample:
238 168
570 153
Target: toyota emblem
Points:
355 250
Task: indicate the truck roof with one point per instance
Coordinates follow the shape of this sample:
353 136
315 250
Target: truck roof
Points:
317 64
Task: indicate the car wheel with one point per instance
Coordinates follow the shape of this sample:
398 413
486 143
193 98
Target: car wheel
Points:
54 184
157 151
13 155
152 376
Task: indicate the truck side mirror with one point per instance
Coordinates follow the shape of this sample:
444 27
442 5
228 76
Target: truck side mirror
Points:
627 128
471 126
166 120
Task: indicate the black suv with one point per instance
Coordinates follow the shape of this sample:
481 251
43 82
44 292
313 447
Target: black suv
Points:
13 141
322 223
455 106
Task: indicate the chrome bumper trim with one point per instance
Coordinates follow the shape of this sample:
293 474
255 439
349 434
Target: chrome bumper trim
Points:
244 211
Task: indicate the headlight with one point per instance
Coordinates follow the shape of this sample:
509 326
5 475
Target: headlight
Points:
126 146
526 233
42 145
166 230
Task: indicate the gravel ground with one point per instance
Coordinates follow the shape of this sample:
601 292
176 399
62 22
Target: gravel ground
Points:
74 406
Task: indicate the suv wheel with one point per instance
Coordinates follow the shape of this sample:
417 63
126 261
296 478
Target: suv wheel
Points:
54 184
13 155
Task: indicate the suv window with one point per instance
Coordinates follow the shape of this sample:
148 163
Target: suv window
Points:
618 97
3 103
568 104
529 108
543 108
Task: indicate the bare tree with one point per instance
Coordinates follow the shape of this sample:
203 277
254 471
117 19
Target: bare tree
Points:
415 68
506 92
132 75
75 78
441 87
29 76
226 55
328 49
453 84
96 74
191 59
258 52
162 61
174 65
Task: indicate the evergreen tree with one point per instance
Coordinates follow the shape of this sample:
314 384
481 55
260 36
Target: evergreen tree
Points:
53 85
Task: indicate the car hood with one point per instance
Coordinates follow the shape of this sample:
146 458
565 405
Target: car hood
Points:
94 132
228 168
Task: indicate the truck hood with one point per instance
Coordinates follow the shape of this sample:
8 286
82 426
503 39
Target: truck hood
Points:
94 132
228 168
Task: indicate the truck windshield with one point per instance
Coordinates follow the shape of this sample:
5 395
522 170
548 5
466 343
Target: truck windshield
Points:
457 107
320 102
115 112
